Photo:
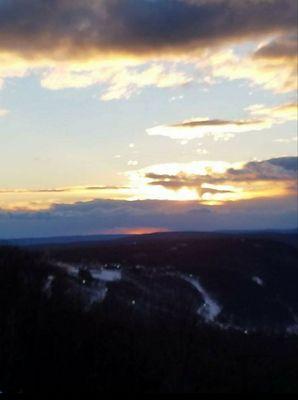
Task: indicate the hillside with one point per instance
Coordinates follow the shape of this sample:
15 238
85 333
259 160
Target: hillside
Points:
159 313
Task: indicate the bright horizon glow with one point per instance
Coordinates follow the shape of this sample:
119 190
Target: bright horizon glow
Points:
140 188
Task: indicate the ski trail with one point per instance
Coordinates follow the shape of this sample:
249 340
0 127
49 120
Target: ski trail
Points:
210 309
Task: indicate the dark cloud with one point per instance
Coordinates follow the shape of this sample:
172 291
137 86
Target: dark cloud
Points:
275 169
282 169
63 190
217 122
106 215
176 181
54 190
213 191
287 163
284 47
80 28
105 187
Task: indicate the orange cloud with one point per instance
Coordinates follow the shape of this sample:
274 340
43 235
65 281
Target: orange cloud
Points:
121 80
217 182
200 127
273 65
44 198
261 117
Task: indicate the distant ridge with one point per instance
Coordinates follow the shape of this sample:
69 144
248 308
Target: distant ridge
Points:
85 239
25 242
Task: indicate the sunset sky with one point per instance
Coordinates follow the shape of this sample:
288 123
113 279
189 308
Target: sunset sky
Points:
147 115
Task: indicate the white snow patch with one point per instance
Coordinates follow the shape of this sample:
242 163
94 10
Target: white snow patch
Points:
101 274
210 309
95 292
292 329
48 285
106 275
258 280
95 295
69 268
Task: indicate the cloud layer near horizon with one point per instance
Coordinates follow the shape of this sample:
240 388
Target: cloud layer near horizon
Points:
248 176
106 216
218 183
267 200
207 182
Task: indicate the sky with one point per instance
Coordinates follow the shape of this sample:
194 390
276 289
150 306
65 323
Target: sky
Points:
136 116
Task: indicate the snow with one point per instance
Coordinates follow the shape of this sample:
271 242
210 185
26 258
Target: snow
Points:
210 309
95 295
103 274
69 268
48 285
107 275
292 329
258 280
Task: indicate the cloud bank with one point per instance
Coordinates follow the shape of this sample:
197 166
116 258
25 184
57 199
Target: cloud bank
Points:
253 195
125 45
207 182
102 216
271 178
60 29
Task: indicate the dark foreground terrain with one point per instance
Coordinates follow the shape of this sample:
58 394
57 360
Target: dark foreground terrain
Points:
169 313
